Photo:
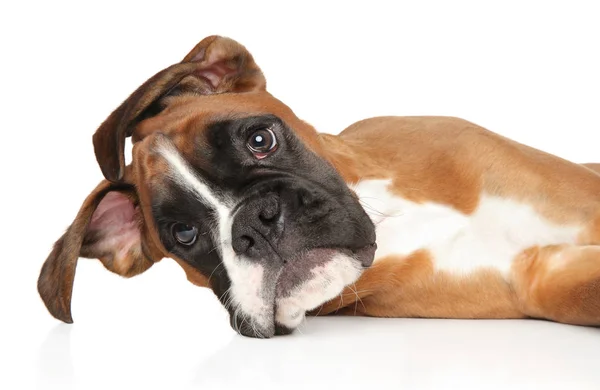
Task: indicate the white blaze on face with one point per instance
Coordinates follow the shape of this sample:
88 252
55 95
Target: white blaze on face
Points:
246 277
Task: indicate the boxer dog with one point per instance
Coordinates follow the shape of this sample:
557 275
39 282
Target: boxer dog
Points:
395 217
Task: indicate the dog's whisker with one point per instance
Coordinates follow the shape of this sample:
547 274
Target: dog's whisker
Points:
244 320
301 324
356 300
319 312
213 271
227 299
235 321
375 211
358 297
341 302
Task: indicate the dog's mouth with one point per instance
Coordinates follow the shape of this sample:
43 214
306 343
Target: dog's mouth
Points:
302 267
306 281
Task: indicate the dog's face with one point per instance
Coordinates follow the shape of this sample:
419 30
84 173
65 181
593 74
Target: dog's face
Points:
227 181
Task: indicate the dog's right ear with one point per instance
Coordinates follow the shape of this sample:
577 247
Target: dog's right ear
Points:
215 65
109 227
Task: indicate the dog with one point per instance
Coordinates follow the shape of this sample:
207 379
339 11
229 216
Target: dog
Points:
430 217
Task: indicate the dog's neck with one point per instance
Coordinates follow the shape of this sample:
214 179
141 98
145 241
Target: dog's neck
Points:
353 160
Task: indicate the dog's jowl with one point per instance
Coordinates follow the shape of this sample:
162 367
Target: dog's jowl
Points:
396 216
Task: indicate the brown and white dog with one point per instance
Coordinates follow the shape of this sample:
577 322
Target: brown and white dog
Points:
395 217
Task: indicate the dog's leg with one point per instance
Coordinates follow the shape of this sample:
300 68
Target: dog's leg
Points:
410 286
560 283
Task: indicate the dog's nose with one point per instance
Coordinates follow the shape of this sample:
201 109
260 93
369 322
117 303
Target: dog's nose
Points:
257 227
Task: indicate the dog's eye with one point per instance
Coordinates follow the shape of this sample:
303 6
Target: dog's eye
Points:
185 234
262 142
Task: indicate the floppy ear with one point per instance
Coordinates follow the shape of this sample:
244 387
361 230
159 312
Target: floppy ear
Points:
215 65
108 227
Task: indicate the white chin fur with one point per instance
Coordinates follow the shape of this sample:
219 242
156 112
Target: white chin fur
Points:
327 282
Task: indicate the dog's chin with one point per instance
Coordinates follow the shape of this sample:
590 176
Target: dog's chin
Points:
306 281
318 265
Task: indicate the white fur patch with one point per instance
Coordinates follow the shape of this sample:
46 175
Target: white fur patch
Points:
491 237
246 277
327 282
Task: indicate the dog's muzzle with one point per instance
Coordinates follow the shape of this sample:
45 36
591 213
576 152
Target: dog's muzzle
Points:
306 244
278 228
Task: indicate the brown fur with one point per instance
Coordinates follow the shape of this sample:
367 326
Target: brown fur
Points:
560 282
438 159
451 161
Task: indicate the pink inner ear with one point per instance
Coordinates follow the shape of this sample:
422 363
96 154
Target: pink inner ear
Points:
216 72
114 225
199 56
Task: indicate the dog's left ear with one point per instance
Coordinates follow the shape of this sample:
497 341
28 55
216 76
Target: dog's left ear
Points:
215 65
108 227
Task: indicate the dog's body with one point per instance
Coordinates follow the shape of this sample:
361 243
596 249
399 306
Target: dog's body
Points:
279 220
470 224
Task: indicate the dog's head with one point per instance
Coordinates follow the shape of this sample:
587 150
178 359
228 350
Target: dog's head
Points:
227 181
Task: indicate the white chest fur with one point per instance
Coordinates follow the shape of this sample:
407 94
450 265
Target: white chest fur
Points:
491 237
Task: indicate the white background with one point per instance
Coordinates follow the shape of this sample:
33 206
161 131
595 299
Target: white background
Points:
528 70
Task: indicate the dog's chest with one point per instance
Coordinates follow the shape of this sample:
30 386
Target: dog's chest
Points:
490 237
